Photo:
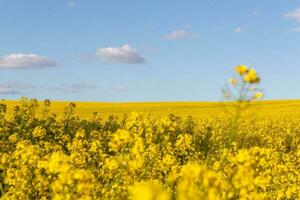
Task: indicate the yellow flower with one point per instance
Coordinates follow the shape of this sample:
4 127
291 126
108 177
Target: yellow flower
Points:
241 69
13 138
251 77
149 191
258 95
39 132
233 81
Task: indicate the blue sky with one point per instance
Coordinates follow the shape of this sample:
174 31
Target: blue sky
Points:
133 50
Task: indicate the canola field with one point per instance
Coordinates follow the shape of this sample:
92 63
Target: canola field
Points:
149 154
198 110
245 149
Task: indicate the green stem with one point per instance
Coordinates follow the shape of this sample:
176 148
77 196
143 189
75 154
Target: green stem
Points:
1 190
238 110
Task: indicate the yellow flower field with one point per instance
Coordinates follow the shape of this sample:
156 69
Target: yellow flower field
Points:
198 110
243 149
149 155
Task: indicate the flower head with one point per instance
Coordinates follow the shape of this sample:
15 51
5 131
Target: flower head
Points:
258 95
233 81
241 69
251 76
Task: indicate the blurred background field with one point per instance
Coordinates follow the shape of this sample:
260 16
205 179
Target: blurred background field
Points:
198 110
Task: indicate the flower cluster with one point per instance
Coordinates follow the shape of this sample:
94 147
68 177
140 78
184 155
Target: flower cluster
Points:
249 75
137 157
243 86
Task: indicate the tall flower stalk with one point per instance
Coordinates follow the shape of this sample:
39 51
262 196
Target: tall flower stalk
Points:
242 89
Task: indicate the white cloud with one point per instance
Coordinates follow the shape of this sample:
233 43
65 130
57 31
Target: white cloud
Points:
181 34
295 14
123 54
13 88
238 30
118 88
297 29
4 90
25 61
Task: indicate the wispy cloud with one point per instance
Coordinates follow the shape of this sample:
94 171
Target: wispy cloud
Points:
72 88
76 88
124 54
297 29
25 61
14 88
8 91
181 35
238 30
4 90
295 15
118 88
255 13
71 3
